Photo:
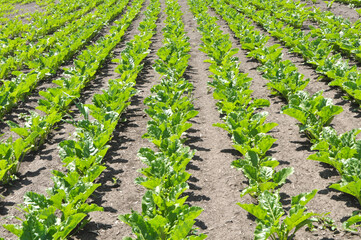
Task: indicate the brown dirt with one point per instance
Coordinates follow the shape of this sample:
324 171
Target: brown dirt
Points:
292 149
35 171
339 9
23 11
28 8
31 102
214 185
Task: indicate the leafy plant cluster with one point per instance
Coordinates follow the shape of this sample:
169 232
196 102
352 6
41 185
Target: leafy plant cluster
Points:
19 53
246 125
294 13
317 46
353 2
8 11
343 152
64 208
314 113
13 91
164 212
54 16
283 8
26 1
249 133
57 100
5 10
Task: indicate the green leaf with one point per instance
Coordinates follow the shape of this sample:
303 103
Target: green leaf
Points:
139 225
298 220
281 176
17 230
270 202
148 205
182 230
69 225
262 231
265 128
255 210
249 189
353 188
303 198
295 113
265 144
354 220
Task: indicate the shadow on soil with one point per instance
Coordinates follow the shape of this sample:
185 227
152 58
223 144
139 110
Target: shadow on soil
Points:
349 200
328 171
89 232
303 145
112 157
10 189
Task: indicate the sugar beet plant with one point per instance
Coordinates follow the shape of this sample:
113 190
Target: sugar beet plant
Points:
14 90
26 54
55 216
247 127
40 23
40 26
315 113
343 152
248 132
164 212
318 47
57 100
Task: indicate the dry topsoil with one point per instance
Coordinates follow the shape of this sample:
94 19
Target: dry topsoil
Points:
214 185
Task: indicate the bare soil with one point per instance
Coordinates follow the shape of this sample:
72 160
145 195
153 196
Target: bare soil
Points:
214 185
338 8
24 9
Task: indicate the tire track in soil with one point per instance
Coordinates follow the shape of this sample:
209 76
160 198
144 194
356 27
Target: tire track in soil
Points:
214 185
292 148
35 171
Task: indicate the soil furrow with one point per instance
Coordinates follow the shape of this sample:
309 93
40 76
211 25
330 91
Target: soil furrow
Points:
31 101
339 9
118 193
292 149
214 185
35 171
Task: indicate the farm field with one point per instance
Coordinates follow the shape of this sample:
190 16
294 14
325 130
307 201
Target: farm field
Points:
180 119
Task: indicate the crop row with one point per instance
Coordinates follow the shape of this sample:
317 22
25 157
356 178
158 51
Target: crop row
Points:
28 55
316 52
57 100
314 113
353 2
8 12
164 212
15 90
249 131
11 47
16 1
83 156
6 9
42 23
334 30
